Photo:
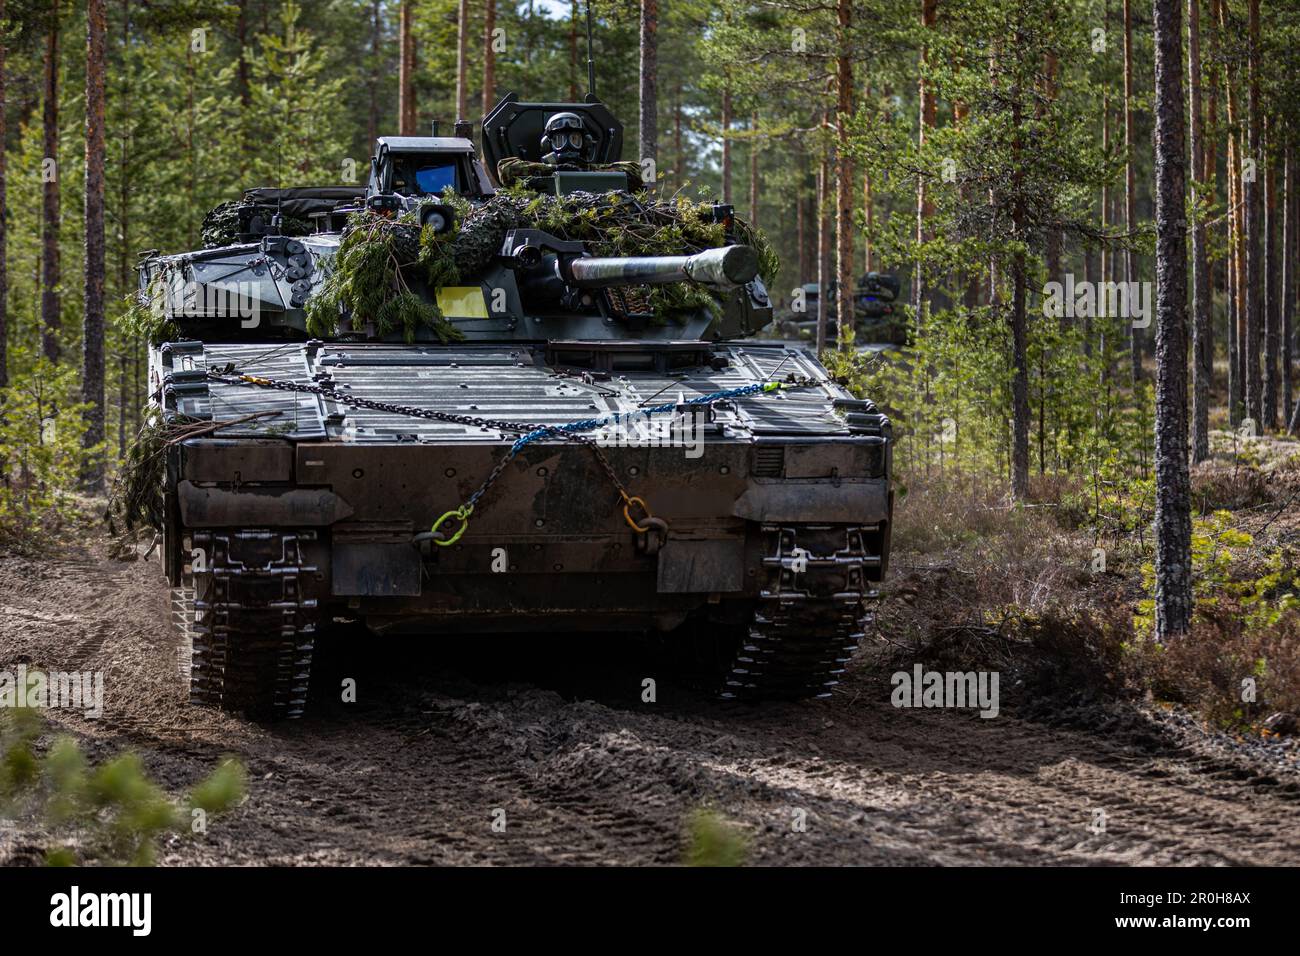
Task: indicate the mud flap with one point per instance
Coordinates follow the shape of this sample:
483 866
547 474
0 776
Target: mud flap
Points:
375 569
698 567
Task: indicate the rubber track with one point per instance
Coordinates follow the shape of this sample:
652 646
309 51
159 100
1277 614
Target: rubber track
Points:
811 615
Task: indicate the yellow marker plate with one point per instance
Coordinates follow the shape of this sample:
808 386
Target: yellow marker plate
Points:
462 302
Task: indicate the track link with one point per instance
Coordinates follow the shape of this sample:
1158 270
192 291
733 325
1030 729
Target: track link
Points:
811 614
247 620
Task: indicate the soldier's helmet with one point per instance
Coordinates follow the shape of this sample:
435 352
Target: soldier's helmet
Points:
567 139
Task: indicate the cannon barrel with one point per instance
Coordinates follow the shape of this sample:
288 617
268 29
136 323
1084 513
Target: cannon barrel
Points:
722 268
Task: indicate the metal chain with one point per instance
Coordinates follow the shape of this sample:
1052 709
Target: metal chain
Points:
528 431
334 395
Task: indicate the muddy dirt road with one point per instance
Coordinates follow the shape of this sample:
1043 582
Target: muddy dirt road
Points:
442 736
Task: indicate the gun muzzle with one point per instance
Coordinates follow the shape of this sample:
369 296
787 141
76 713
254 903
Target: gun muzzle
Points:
722 268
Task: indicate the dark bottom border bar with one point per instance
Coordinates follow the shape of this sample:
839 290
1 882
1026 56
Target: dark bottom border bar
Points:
673 905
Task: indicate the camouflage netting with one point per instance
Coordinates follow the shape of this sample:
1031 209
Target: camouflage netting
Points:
136 498
222 225
379 274
250 216
377 262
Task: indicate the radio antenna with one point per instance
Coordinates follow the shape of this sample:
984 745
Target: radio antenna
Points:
277 221
591 67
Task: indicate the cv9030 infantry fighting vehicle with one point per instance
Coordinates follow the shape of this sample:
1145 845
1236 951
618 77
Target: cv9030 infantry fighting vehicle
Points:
557 440
877 322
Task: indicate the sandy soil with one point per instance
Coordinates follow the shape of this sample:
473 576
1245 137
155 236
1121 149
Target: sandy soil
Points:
552 730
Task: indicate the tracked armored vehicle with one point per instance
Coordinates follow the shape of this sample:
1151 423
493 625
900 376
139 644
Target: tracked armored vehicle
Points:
877 321
575 441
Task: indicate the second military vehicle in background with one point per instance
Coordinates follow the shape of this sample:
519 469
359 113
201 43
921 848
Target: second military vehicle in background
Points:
877 319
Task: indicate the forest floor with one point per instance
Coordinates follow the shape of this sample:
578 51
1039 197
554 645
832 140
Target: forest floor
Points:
554 733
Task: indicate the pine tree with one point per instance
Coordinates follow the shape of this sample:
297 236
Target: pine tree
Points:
1202 356
4 218
1272 314
1290 206
489 55
648 126
1254 346
929 12
462 60
92 351
1130 184
1173 523
51 319
844 172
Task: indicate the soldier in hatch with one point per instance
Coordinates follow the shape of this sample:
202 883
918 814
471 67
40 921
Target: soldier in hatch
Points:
567 145
568 141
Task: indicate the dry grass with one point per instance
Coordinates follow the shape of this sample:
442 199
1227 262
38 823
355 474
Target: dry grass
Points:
980 584
1232 488
1209 669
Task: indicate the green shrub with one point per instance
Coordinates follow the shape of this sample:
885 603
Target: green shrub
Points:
114 811
41 454
711 840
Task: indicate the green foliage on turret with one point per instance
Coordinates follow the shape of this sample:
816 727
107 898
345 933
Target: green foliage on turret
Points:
388 271
372 280
146 319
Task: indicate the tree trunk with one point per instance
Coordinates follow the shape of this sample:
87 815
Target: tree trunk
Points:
823 250
406 72
1236 389
242 87
530 33
1290 206
1130 185
1173 525
1019 331
866 208
679 158
753 171
1105 189
191 154
573 50
129 397
489 56
241 67
50 304
649 117
462 60
1236 383
800 216
125 284
1054 240
1272 314
1090 274
925 97
845 177
726 139
372 114
1210 176
1200 260
4 230
1019 381
92 347
1254 312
